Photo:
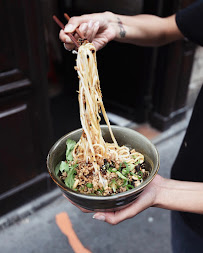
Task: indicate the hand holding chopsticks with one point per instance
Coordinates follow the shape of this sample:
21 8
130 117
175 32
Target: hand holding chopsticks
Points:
98 28
61 25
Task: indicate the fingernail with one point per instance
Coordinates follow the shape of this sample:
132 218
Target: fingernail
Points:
90 24
68 50
68 28
100 217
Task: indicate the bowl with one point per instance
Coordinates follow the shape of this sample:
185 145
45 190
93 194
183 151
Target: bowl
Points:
124 136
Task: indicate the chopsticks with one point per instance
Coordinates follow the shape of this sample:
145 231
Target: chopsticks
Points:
77 30
61 25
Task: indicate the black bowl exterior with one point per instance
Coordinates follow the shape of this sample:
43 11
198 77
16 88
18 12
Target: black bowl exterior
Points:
124 136
102 205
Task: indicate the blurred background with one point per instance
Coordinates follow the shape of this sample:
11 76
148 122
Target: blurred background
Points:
147 89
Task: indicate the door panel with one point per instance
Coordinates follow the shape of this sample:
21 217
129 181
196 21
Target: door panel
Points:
17 154
25 125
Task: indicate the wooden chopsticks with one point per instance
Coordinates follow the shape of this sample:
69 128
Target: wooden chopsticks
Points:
77 30
77 44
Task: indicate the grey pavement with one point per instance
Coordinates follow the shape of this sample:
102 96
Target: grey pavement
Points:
35 229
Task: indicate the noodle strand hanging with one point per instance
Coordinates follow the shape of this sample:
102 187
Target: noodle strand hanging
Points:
98 167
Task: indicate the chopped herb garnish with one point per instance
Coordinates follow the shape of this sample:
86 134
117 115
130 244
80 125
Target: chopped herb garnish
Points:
113 185
64 167
140 174
129 186
70 144
116 176
69 181
101 191
57 169
89 185
112 169
121 176
125 183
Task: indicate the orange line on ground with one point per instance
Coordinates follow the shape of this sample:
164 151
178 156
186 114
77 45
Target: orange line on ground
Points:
65 225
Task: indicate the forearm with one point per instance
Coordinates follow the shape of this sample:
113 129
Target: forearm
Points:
145 30
180 196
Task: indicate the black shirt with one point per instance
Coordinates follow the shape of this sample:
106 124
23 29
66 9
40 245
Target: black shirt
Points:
188 165
190 22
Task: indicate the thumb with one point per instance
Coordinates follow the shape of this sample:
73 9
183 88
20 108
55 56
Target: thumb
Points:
114 218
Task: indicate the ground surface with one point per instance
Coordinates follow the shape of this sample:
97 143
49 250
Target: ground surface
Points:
147 232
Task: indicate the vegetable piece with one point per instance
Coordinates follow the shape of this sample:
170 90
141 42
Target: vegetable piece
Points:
124 172
121 176
140 174
75 183
106 164
125 183
113 185
126 165
138 162
128 168
89 185
135 177
70 144
120 166
64 167
57 169
101 191
131 166
112 169
69 181
129 186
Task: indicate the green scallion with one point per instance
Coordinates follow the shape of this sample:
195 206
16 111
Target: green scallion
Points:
129 186
140 174
112 169
89 185
121 176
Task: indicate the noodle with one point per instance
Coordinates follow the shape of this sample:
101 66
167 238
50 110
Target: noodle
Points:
92 154
90 101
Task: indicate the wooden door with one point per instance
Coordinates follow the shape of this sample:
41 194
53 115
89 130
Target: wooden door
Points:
25 126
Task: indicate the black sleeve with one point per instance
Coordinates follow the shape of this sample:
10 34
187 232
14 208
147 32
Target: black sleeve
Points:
190 22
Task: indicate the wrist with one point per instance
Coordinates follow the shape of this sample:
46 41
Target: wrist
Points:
158 182
113 20
110 16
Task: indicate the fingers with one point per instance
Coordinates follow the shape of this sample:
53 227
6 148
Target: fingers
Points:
66 39
68 44
95 27
83 28
89 30
63 37
92 31
75 22
114 218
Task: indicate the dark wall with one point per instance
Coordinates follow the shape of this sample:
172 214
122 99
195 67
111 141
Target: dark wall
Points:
25 125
